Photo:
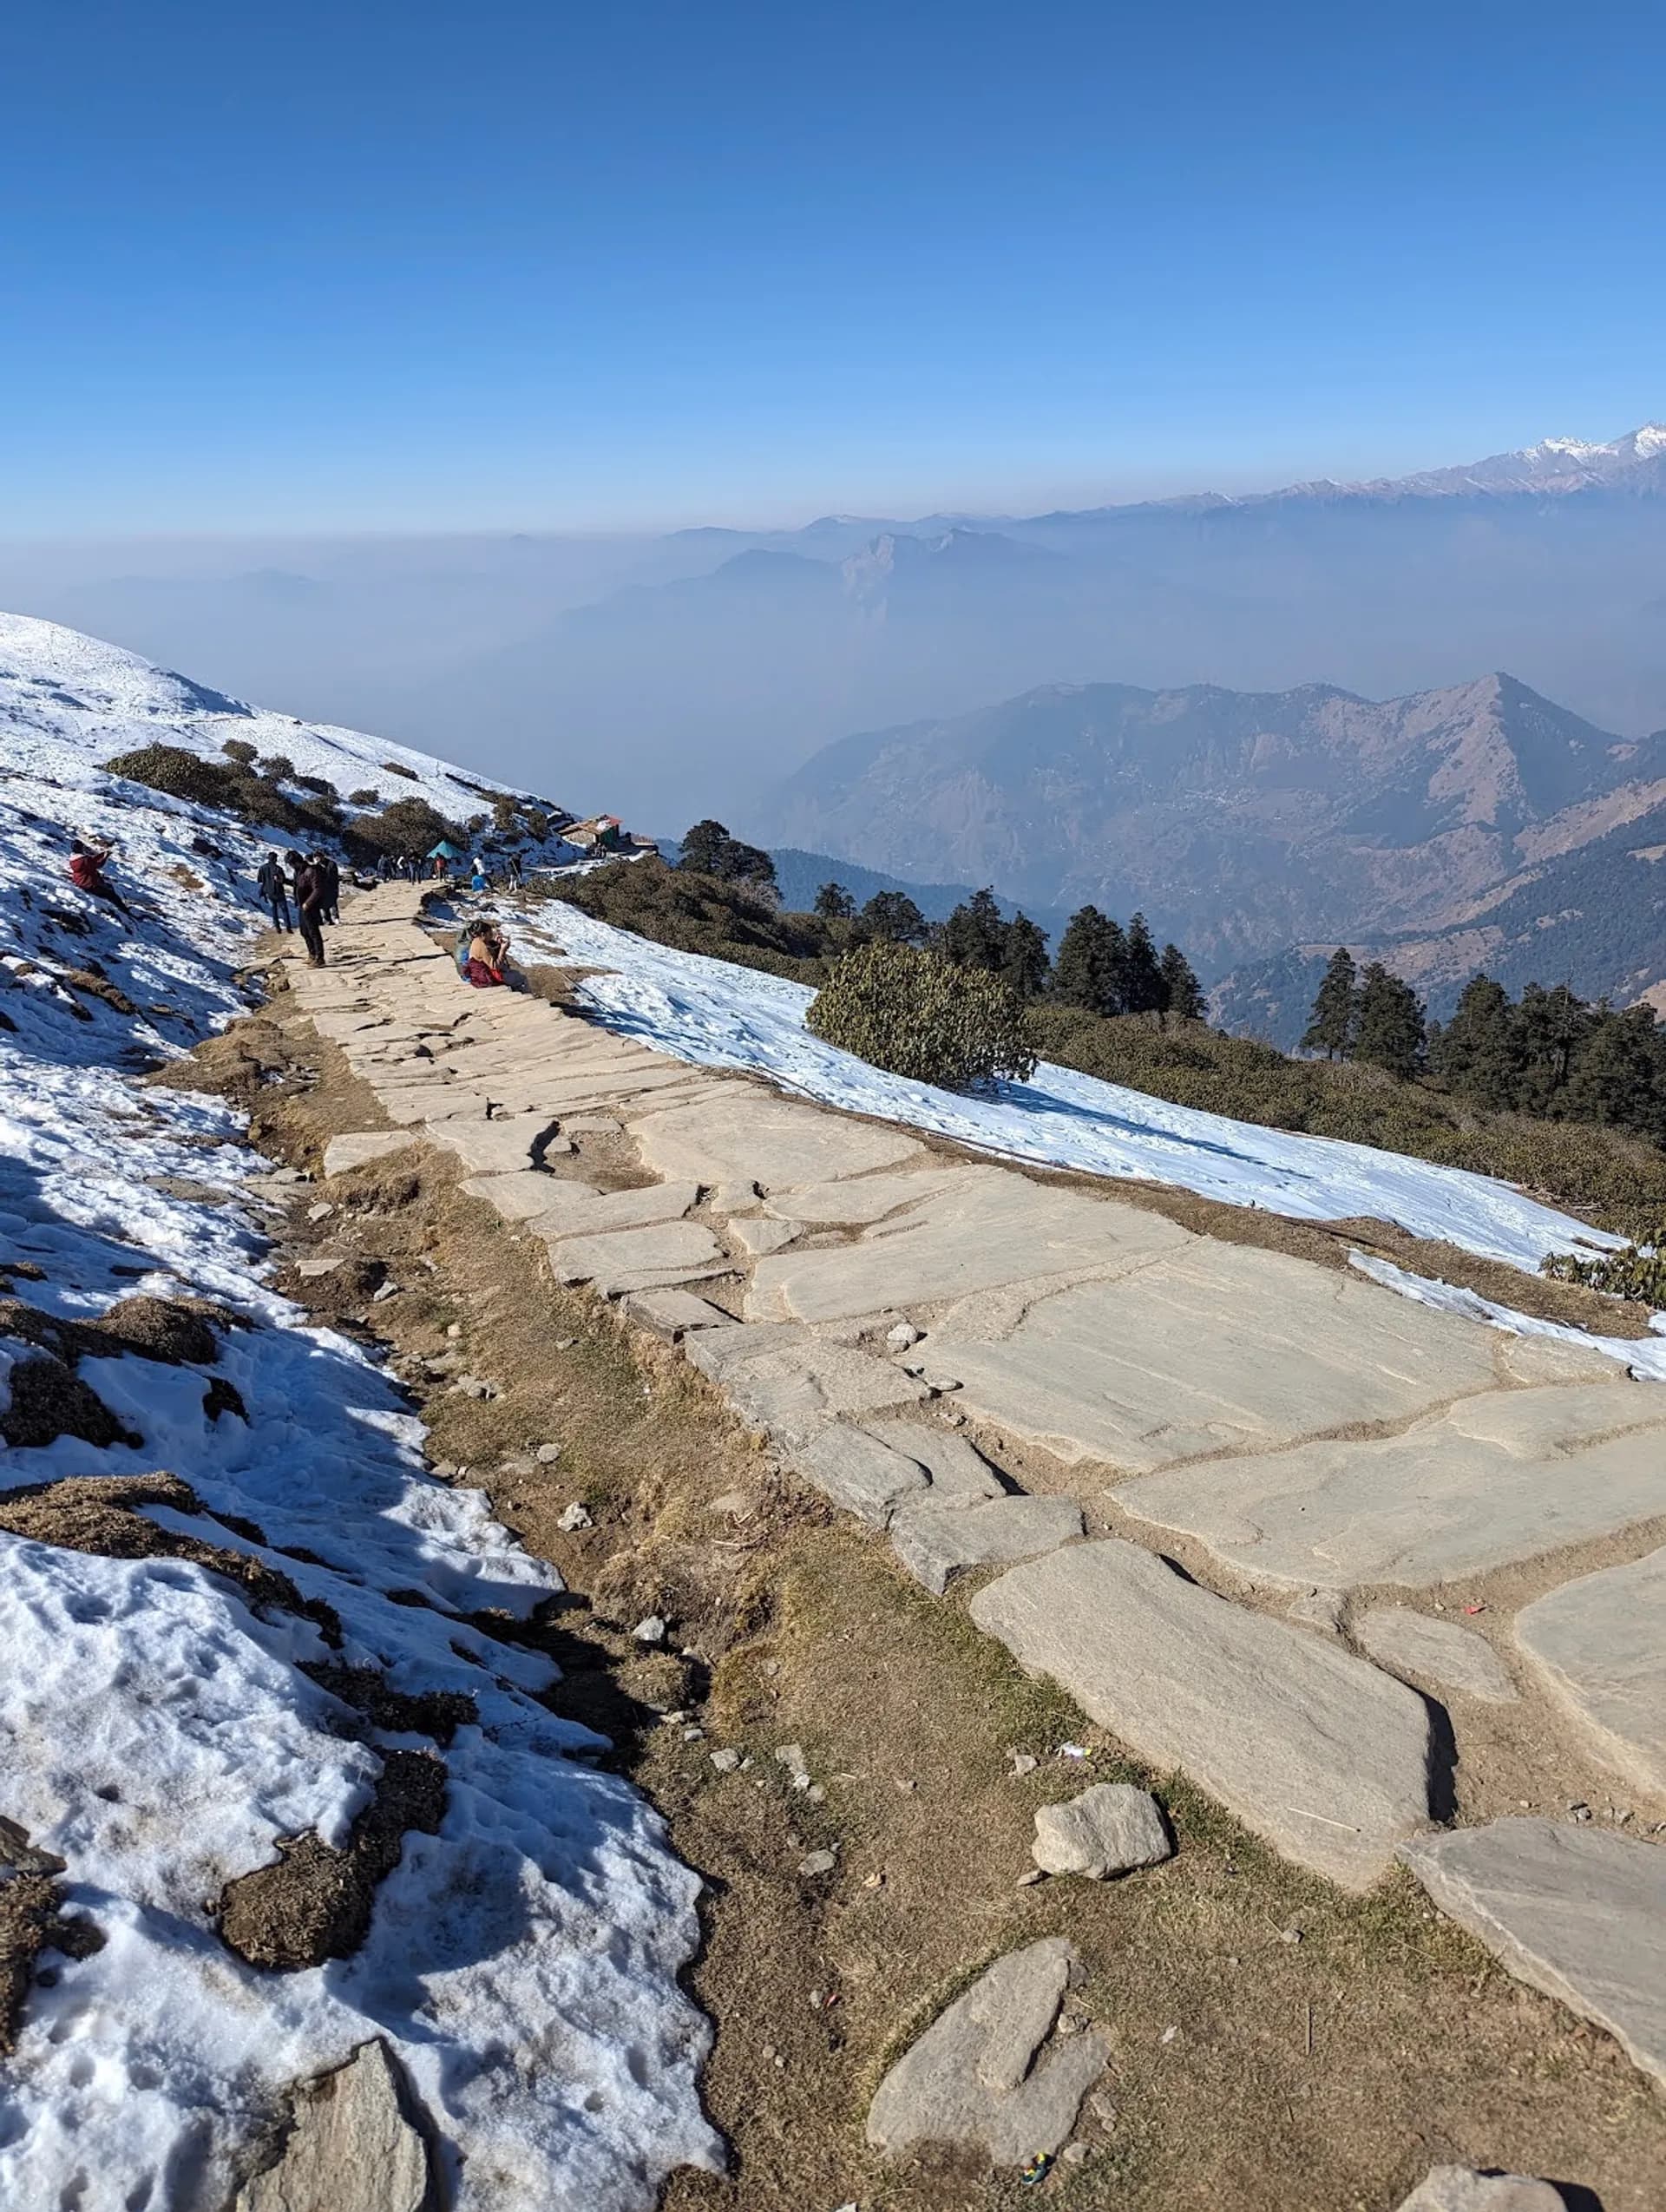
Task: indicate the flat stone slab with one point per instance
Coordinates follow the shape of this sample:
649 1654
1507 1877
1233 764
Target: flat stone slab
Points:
525 1193
672 1314
341 1154
351 2146
1460 2188
960 1474
936 1542
1579 1912
500 1147
792 1384
1211 1347
1109 1829
982 1228
855 1202
760 1234
741 1138
670 1247
587 1213
984 2075
1600 1643
1315 1751
1504 1475
859 1473
1409 1643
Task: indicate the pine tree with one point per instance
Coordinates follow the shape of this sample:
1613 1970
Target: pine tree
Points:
1392 1029
1026 965
1618 1074
834 903
894 916
703 848
1330 1030
1549 1027
1478 1052
1082 972
975 935
1142 978
1183 995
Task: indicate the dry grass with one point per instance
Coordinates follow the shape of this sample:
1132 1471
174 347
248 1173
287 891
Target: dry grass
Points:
1325 2073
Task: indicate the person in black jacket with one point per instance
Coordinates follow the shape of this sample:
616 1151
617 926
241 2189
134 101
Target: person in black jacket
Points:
274 889
309 905
330 877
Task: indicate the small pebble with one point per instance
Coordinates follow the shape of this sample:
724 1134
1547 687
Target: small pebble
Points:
1168 2035
574 1518
1074 2154
454 1329
1023 1764
1028 1881
546 1454
725 1761
322 1211
650 1629
384 1291
693 1733
565 1343
818 1862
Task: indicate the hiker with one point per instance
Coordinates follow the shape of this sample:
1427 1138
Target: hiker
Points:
384 866
477 882
489 956
517 878
275 891
309 907
331 877
86 865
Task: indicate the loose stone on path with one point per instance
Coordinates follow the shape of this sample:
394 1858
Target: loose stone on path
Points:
980 2076
1460 2188
1109 1829
1577 1912
1317 1751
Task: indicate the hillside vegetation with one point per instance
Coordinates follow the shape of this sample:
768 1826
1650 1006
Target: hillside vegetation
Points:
1614 1179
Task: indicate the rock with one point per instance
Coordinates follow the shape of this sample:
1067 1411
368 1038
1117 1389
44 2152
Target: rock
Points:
1438 1652
343 1153
322 1211
671 1314
574 1518
935 1543
787 1381
473 1386
500 1147
725 1761
351 2146
1459 2188
651 1629
1501 1476
546 1454
979 2077
1578 1912
1600 1643
859 1473
959 1475
382 1292
904 1336
313 1269
1109 1829
1314 1750
757 1234
616 1259
739 1138
818 1862
791 1756
1321 1609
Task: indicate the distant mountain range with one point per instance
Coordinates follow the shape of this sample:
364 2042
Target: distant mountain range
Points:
1476 823
734 653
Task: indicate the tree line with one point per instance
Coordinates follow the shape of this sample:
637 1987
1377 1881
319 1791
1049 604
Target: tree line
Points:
1548 1053
1100 967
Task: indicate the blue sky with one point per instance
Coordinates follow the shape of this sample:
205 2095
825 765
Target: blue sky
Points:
384 266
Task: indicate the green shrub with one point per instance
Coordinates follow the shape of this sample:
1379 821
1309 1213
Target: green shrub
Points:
703 914
278 768
364 796
395 768
918 1015
1638 1271
319 784
230 787
403 825
240 750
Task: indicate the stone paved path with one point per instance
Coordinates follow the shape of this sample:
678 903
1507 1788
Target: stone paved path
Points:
859 1297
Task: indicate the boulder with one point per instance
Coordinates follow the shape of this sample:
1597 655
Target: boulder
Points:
981 2078
1460 2188
1109 1829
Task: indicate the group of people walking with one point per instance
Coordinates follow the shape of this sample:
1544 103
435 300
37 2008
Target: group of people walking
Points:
314 881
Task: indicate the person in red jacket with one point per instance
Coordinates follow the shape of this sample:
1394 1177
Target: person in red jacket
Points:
87 866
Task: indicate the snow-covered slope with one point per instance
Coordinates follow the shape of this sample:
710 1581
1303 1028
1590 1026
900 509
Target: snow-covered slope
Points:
157 1731
724 1016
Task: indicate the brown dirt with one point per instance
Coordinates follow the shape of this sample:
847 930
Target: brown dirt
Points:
438 1713
313 1902
1327 2050
32 1921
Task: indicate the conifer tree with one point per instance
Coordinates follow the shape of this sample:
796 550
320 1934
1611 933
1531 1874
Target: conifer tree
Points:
1082 972
1183 995
975 935
1330 1030
1477 1051
894 916
1391 1029
1619 1072
703 848
1025 965
834 903
1142 978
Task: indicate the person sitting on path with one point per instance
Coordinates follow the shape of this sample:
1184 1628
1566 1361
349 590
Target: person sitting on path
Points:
87 866
309 907
489 956
274 889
